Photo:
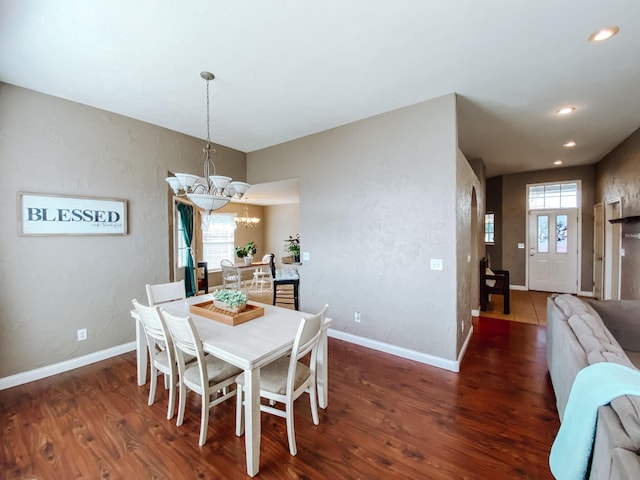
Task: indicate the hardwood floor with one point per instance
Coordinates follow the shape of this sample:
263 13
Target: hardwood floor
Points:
387 418
527 306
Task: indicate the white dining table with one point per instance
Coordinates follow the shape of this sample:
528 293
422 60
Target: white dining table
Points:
249 346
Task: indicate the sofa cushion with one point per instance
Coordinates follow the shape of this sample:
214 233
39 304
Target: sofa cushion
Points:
570 304
622 319
596 356
591 323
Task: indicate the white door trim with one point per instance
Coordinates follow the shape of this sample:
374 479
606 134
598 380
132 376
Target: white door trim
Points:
612 246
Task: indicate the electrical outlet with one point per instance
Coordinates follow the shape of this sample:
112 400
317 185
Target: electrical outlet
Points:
357 317
82 334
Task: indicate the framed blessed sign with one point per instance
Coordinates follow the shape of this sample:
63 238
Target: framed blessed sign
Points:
44 214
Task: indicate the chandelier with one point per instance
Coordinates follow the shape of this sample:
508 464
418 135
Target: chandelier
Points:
210 192
246 221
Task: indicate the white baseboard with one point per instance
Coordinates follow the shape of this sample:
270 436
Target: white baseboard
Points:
518 287
451 365
585 294
65 366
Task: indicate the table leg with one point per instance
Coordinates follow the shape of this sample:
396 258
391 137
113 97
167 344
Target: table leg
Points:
141 353
322 370
252 420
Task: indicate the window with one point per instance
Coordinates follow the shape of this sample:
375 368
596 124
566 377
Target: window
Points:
489 228
182 245
561 195
217 238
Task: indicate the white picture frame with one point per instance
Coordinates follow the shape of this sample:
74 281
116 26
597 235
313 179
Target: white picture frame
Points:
42 214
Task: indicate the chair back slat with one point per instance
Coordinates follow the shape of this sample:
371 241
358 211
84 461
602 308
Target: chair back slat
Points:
165 292
156 331
184 335
307 340
150 318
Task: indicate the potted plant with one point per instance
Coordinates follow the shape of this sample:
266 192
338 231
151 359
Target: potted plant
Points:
232 301
292 245
247 252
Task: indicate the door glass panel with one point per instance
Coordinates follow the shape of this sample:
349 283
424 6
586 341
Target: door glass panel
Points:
543 233
561 231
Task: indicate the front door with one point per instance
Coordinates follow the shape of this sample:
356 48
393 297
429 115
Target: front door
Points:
553 250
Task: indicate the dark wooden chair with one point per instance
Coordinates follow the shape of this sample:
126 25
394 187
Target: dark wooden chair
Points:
203 280
287 276
493 282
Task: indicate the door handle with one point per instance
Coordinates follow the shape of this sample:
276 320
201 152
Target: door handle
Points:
531 252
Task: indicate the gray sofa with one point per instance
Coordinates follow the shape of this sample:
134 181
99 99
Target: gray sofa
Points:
583 332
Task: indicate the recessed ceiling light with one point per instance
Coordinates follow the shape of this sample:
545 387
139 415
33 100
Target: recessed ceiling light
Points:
558 162
565 110
603 34
569 144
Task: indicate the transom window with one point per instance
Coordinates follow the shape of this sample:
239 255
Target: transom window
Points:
553 196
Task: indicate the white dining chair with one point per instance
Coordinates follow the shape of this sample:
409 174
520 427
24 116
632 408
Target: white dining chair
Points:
162 357
231 277
209 377
286 379
165 292
262 276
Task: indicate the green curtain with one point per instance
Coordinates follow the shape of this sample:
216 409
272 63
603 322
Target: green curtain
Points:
186 216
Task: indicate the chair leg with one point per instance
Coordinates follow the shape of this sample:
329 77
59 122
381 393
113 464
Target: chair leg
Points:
154 381
313 399
507 306
239 411
181 402
293 450
204 420
172 396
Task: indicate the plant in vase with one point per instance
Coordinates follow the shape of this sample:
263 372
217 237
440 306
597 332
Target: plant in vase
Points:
292 245
230 300
247 252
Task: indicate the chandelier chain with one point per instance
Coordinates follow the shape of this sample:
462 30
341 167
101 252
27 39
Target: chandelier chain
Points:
208 139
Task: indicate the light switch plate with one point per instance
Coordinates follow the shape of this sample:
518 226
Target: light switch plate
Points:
520 245
306 256
436 264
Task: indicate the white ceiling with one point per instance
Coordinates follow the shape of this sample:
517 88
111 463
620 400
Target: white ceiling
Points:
285 69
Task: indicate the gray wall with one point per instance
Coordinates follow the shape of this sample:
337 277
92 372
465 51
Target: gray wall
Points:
494 204
377 202
52 286
514 218
618 176
281 221
470 207
379 199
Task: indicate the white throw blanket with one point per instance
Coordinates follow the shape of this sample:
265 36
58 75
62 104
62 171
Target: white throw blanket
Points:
595 385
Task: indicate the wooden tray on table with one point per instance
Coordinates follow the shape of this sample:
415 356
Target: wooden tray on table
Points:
209 310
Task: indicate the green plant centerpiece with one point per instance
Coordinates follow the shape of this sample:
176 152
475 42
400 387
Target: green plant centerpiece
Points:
246 252
230 300
292 245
